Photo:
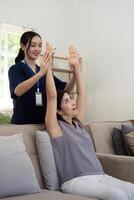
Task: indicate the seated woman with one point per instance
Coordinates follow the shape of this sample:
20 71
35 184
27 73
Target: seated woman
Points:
78 168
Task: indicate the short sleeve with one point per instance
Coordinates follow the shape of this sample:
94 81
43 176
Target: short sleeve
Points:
15 77
60 85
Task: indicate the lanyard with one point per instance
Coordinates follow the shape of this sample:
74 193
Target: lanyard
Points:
38 82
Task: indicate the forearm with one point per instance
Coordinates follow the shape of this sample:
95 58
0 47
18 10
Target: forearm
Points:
81 97
71 83
50 85
27 85
79 81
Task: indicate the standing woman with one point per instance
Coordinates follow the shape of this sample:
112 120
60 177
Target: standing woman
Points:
27 81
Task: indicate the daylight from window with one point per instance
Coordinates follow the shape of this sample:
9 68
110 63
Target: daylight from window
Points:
9 46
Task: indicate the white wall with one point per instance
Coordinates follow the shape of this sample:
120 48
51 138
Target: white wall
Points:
51 18
103 30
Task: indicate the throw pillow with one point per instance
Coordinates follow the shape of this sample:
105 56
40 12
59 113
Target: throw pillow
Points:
118 142
17 174
126 130
47 161
129 139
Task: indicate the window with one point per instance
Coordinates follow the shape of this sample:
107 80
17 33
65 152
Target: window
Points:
9 46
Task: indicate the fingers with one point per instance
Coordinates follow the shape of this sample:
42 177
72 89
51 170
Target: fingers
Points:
72 50
48 53
48 47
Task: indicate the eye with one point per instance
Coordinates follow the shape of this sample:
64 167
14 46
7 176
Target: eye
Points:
71 97
32 45
67 101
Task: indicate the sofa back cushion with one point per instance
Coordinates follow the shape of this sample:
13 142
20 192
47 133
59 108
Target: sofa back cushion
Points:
28 132
47 161
102 135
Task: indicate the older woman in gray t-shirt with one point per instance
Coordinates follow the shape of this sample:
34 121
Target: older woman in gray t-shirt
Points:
79 170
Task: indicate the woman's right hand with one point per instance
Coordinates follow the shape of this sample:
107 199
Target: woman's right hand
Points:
46 60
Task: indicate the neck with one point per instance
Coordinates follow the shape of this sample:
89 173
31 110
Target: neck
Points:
29 61
67 119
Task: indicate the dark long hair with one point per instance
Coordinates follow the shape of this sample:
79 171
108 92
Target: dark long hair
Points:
25 38
60 94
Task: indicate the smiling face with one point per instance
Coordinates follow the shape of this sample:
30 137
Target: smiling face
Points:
68 106
33 49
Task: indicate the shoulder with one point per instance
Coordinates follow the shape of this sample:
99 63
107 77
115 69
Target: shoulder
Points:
16 68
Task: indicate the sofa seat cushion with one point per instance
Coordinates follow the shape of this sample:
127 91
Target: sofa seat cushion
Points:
49 195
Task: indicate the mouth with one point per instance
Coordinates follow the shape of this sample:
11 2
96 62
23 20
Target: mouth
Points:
74 109
36 54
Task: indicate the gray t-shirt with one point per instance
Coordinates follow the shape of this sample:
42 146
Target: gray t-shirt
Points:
74 153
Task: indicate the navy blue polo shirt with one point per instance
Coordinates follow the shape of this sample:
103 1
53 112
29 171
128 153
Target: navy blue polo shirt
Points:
25 110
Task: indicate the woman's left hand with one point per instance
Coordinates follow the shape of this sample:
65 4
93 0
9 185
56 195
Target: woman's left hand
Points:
73 58
46 59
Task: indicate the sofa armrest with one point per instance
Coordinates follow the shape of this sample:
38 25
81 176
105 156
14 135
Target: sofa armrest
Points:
121 167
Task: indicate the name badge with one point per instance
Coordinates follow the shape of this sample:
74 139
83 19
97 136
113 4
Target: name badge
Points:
38 99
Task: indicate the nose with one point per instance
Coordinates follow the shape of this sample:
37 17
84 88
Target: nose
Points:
73 102
38 48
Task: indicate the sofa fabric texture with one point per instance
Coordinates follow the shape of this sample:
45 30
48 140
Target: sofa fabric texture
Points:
102 135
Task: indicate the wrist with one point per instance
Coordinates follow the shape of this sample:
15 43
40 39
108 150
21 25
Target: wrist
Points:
39 74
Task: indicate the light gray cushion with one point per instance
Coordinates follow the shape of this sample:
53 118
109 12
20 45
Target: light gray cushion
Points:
17 175
47 161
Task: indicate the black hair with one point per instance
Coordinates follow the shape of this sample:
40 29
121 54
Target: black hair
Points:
25 38
60 94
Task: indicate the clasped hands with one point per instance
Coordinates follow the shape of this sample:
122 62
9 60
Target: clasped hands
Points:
46 62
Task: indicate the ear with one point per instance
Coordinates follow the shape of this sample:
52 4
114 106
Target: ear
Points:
22 46
59 112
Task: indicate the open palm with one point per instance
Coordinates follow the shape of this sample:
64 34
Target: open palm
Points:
73 58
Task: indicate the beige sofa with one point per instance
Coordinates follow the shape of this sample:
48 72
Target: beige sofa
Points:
121 167
118 166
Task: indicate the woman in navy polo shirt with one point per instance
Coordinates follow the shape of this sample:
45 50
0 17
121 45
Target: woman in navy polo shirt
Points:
27 81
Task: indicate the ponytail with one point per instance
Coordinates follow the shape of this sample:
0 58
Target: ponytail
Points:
20 56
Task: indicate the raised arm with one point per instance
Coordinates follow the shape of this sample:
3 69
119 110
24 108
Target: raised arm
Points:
74 61
70 84
51 122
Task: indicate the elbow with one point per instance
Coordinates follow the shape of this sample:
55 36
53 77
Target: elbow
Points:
81 93
16 92
52 95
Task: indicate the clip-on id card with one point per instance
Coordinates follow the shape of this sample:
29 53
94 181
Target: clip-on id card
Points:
38 98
